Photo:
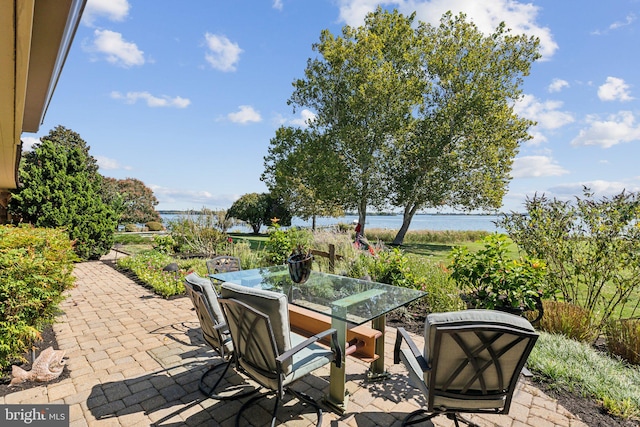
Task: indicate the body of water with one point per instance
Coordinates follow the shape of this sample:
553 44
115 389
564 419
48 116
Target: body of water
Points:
419 222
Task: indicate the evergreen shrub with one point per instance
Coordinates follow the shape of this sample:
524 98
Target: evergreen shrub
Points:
130 228
154 226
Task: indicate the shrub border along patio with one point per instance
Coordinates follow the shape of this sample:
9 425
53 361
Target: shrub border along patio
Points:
36 266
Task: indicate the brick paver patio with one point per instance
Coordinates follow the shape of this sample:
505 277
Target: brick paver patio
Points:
135 360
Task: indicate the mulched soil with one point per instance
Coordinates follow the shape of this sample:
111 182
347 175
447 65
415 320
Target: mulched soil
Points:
48 339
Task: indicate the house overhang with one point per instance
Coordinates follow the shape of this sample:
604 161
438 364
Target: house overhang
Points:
35 38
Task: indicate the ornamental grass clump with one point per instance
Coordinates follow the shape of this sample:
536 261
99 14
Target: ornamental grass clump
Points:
569 320
623 339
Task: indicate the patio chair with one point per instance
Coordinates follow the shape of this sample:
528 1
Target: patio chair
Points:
223 264
216 334
471 363
266 349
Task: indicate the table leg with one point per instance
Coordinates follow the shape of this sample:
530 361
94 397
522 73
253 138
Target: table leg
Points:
337 399
377 371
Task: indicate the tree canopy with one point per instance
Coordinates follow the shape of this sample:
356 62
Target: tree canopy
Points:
294 171
137 200
414 116
61 189
258 209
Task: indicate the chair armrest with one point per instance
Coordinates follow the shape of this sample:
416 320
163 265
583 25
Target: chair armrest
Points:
335 347
221 327
403 335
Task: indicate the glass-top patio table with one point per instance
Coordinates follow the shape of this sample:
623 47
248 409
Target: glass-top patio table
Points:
348 302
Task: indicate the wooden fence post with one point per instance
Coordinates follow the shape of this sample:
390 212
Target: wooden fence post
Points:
332 257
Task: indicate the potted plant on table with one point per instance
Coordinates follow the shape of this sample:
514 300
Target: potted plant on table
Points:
299 263
490 279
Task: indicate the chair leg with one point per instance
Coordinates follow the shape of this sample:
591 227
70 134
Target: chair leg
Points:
303 397
408 421
211 392
249 402
457 417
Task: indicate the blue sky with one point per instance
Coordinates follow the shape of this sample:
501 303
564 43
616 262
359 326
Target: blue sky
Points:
185 96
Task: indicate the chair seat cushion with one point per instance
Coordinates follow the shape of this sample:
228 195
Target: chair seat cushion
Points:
306 360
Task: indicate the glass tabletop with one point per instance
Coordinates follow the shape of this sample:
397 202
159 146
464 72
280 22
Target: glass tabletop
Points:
352 300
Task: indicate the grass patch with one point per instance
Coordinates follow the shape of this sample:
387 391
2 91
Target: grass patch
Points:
580 369
131 239
256 241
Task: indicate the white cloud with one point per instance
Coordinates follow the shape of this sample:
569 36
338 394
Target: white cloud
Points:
105 163
277 4
614 89
152 101
546 113
28 141
487 15
306 116
557 85
629 19
114 10
535 167
246 115
222 53
117 50
600 188
615 129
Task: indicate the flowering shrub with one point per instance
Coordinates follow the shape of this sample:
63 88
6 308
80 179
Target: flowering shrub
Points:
281 242
278 245
490 279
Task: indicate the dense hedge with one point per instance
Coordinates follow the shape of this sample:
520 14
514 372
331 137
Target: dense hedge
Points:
36 266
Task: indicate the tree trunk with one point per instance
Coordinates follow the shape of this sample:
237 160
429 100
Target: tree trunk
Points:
407 216
313 223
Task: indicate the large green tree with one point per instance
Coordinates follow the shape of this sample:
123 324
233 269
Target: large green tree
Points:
295 171
61 189
460 147
138 201
362 89
258 209
419 116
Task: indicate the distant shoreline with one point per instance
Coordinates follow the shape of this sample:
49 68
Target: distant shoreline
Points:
423 221
199 212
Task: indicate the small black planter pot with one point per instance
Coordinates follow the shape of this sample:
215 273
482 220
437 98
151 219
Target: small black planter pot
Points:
300 267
